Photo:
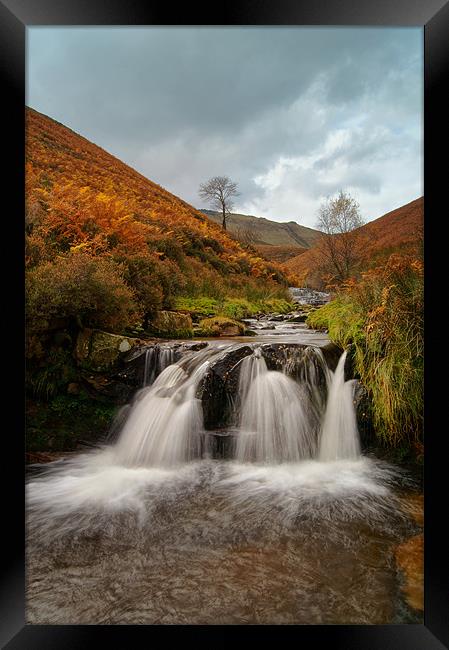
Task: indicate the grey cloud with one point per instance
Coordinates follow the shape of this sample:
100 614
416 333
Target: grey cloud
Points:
182 104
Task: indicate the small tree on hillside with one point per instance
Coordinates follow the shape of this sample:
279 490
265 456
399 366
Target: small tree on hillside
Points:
340 246
219 191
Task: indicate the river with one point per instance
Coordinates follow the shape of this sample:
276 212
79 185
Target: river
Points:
292 524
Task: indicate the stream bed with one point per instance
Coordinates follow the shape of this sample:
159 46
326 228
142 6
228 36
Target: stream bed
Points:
294 526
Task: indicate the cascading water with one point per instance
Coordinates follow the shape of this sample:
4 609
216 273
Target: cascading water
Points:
163 427
340 437
186 533
280 418
157 358
274 424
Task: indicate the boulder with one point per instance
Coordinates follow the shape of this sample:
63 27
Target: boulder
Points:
172 324
410 563
221 326
299 318
100 351
219 386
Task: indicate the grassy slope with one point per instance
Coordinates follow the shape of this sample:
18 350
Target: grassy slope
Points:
274 240
279 254
396 231
57 156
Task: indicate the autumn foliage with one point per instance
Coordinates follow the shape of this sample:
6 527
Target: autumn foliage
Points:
104 242
398 231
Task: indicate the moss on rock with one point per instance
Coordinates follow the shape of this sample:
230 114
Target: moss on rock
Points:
221 326
172 325
100 351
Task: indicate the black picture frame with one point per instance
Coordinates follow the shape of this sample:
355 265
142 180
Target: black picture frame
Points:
433 16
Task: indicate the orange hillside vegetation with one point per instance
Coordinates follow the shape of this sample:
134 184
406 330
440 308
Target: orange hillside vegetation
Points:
397 231
81 199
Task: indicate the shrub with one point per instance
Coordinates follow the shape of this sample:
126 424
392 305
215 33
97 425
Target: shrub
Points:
82 288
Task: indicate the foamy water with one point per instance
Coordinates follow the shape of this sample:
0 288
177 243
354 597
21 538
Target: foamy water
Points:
297 527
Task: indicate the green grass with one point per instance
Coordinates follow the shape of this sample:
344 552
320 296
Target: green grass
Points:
60 423
343 319
381 319
236 308
202 306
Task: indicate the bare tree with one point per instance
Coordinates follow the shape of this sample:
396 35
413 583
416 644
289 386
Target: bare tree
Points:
340 245
219 191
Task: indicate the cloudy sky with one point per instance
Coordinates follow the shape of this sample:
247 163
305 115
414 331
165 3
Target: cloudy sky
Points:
292 114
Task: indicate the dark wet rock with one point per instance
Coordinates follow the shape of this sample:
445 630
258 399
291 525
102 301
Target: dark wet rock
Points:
332 353
219 387
132 366
363 409
276 354
193 347
101 386
119 379
350 369
250 333
300 318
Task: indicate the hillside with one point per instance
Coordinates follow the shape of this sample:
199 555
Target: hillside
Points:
81 200
277 241
397 231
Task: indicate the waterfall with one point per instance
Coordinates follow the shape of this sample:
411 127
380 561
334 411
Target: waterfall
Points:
274 423
157 358
283 415
340 437
164 426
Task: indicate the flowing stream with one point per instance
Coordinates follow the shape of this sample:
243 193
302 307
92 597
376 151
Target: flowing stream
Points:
294 526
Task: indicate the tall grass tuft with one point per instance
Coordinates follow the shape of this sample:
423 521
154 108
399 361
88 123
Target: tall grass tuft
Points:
382 318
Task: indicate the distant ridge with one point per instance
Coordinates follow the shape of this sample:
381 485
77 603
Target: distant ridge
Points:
270 238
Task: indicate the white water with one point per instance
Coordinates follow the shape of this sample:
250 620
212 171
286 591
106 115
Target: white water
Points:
134 534
280 421
340 437
163 427
157 358
275 425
